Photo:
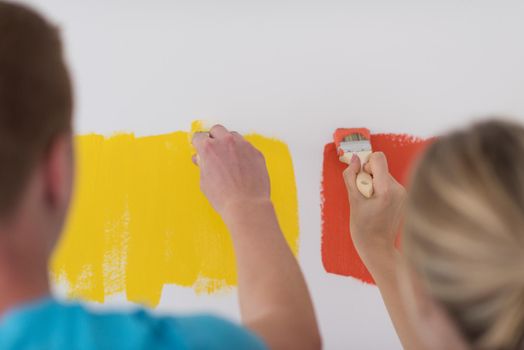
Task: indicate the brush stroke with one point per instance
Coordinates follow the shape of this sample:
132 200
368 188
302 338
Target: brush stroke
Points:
139 220
339 255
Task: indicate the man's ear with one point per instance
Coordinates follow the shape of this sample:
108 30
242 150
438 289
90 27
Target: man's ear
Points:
58 171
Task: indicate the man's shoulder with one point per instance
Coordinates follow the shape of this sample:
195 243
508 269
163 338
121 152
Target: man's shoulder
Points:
73 326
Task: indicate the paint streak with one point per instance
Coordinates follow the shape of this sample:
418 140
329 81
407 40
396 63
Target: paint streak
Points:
139 220
339 255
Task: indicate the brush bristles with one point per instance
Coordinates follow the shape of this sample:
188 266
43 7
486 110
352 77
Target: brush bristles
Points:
354 137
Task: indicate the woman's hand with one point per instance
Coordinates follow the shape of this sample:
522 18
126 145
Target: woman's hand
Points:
374 221
374 224
233 173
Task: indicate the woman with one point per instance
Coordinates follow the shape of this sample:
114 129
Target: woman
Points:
459 281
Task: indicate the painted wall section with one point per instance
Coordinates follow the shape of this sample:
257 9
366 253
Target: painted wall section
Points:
338 252
139 219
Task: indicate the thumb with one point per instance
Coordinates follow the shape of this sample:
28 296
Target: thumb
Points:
350 177
195 159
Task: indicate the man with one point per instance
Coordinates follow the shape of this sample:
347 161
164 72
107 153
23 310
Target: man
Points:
36 156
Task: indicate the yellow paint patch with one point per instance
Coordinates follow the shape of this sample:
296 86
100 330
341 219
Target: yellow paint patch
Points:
139 219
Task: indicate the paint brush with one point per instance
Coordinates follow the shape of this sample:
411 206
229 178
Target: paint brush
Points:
351 142
198 126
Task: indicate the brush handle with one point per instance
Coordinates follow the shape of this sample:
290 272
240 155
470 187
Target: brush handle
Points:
365 184
364 180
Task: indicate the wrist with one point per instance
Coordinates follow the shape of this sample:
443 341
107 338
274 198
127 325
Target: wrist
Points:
372 242
373 247
380 259
238 211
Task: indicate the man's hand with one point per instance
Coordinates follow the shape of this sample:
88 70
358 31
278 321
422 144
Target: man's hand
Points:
274 300
374 221
232 171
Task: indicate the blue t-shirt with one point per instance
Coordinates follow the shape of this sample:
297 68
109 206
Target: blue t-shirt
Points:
49 324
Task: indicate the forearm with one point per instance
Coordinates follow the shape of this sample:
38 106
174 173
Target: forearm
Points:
383 266
272 291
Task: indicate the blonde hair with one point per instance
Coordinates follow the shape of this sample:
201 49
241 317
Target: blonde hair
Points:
464 230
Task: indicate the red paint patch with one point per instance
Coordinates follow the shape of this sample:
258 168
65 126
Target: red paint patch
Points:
338 252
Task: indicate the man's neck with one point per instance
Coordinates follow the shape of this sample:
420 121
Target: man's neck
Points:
21 280
26 237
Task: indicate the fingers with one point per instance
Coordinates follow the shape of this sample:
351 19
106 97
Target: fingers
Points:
199 139
377 166
367 168
236 134
350 177
218 132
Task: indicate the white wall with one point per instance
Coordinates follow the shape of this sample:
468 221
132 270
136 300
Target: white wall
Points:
295 70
